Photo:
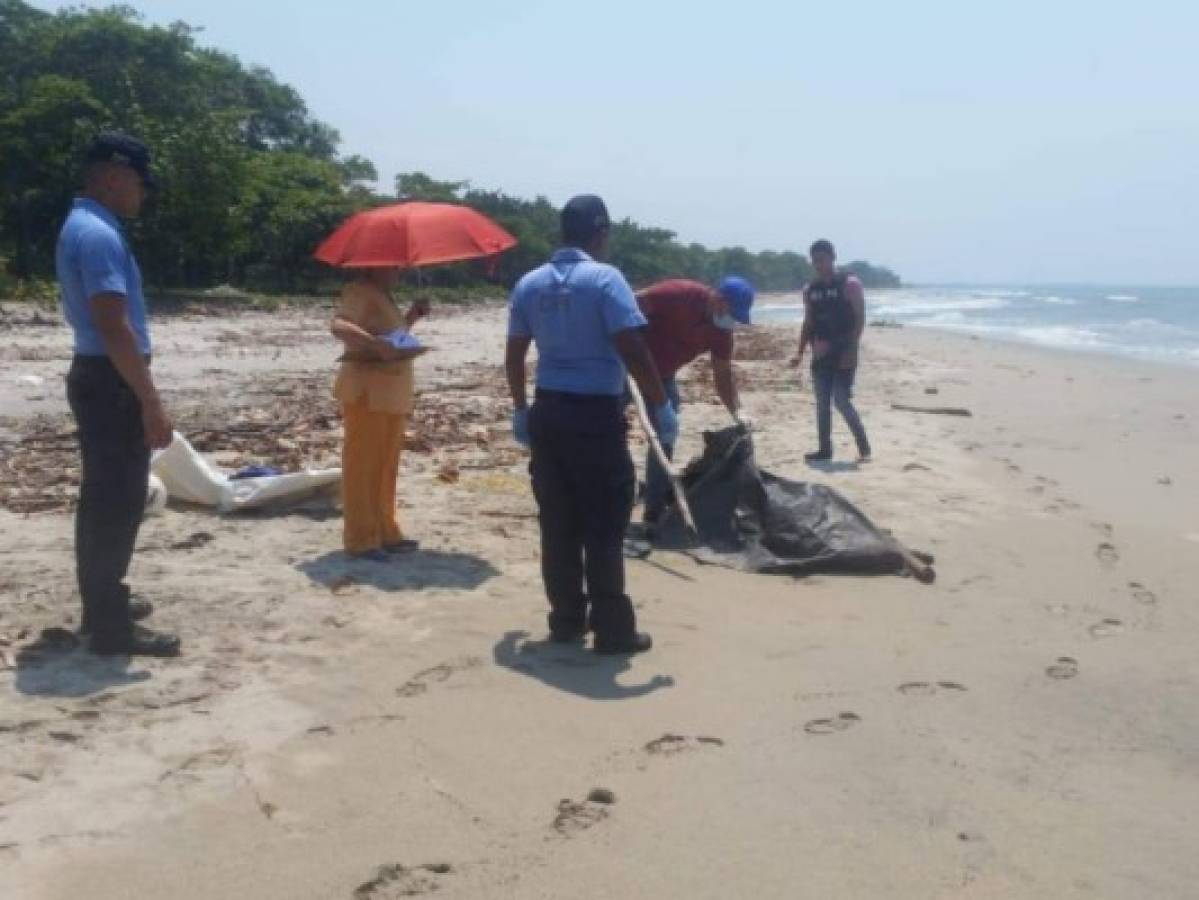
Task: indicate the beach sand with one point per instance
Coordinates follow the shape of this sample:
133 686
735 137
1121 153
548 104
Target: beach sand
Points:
1027 726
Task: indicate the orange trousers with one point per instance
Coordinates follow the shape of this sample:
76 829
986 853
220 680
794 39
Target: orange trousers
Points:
369 467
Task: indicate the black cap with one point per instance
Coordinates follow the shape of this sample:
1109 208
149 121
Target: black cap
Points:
583 217
112 146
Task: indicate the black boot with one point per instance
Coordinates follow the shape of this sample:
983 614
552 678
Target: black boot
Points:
637 642
138 641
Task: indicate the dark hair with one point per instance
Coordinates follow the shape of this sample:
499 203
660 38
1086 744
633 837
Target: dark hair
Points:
822 246
122 149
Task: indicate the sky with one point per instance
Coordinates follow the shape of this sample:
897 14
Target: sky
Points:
968 141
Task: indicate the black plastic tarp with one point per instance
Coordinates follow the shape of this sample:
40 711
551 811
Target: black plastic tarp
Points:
752 520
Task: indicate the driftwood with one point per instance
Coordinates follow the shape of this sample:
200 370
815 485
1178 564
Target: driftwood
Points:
934 410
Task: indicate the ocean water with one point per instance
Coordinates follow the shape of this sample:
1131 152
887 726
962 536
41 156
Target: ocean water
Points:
1156 323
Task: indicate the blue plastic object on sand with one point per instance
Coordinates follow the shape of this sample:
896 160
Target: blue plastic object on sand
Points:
403 340
256 472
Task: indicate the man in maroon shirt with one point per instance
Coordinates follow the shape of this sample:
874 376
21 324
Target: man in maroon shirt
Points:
687 318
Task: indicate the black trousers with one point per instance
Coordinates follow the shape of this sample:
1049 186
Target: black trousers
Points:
115 466
584 482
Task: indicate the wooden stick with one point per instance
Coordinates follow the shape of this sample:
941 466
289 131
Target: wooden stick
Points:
663 460
933 410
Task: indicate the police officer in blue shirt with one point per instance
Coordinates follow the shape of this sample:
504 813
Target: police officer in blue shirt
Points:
111 393
584 319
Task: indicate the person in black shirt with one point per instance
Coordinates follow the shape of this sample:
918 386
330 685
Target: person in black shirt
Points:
834 318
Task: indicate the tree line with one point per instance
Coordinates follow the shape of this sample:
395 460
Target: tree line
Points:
250 181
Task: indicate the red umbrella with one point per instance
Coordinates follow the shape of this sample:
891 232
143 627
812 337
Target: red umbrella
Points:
413 234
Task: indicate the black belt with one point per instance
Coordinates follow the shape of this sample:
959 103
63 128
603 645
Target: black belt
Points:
98 363
569 397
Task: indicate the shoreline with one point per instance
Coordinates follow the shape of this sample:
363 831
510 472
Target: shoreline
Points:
1080 352
1183 356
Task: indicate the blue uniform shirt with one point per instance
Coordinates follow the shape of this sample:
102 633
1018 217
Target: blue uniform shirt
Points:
571 307
93 258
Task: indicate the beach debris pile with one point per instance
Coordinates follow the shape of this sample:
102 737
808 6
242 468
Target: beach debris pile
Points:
760 361
27 316
39 471
290 423
469 415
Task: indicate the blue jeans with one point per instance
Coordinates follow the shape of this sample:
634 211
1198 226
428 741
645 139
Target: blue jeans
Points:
658 491
834 387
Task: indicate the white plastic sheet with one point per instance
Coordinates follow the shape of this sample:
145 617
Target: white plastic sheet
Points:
189 477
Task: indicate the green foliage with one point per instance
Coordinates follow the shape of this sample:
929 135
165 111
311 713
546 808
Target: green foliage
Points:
873 276
419 186
250 181
534 224
38 291
289 204
644 254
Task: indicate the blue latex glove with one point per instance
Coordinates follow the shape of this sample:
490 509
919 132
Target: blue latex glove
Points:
666 421
520 426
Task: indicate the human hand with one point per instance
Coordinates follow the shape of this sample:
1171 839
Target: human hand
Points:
820 348
417 311
520 426
666 422
849 358
156 425
384 349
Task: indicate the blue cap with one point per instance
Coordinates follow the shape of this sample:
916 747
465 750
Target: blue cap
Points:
739 294
583 217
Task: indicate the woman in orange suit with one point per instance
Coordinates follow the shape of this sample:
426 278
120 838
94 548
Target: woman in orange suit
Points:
375 388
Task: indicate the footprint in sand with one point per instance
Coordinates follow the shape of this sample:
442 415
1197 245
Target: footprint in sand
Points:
193 767
419 683
1106 628
1142 594
1065 668
395 880
575 816
842 722
928 688
670 744
1107 554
